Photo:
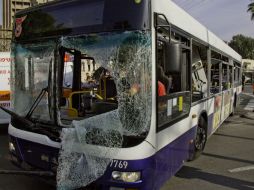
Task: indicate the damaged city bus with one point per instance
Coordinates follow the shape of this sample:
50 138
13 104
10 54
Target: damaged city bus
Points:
86 75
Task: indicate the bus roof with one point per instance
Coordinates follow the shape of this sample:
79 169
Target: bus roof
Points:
39 6
176 16
77 17
186 22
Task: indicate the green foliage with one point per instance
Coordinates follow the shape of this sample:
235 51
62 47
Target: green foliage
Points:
251 10
243 45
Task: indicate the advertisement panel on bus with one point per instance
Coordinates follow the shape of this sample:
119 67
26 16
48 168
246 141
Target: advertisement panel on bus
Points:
5 60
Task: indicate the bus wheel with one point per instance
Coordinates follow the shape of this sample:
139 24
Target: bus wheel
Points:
200 139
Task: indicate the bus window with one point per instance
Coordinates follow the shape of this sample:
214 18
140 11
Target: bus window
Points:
175 103
119 85
199 72
33 69
237 73
83 87
225 79
230 76
215 76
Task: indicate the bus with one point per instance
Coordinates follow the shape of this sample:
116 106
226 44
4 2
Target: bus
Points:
86 104
5 60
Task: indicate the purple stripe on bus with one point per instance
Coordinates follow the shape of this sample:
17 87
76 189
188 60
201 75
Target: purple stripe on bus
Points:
156 169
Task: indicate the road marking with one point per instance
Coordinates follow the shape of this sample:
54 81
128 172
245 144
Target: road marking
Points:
252 187
242 169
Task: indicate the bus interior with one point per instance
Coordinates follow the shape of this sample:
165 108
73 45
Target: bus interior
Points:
88 89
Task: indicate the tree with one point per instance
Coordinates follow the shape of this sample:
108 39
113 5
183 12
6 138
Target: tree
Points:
251 10
243 45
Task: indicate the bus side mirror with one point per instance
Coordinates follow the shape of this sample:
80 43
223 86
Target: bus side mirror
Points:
173 58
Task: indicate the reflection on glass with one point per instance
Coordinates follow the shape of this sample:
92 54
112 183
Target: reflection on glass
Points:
31 74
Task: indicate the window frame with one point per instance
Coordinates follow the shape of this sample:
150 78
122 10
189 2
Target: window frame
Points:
205 46
173 29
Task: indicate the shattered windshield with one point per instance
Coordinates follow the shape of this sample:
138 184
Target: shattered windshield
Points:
30 75
108 103
108 73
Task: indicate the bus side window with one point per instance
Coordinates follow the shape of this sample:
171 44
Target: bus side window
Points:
215 77
175 103
199 72
225 77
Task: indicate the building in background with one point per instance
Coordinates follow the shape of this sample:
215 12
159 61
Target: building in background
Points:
10 7
248 70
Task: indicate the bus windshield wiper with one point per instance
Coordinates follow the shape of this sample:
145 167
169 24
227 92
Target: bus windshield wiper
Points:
26 124
36 102
22 120
25 120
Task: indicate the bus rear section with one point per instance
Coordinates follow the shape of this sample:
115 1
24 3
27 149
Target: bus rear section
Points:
5 64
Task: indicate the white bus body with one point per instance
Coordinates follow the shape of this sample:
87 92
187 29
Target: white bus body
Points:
5 64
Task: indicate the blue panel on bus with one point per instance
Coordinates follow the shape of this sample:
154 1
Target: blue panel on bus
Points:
170 159
155 170
36 155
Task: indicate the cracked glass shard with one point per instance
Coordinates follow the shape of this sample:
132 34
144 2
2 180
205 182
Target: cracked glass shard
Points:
91 143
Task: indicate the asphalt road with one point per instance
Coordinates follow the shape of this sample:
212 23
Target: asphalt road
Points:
227 162
14 182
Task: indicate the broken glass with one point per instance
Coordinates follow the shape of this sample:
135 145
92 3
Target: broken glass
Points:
91 143
30 74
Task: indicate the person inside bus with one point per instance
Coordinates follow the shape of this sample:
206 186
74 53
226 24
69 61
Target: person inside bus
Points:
161 89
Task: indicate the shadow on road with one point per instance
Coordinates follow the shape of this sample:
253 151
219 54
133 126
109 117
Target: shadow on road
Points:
195 173
228 158
232 136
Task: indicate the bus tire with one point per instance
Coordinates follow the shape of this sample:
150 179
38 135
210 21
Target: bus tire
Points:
200 139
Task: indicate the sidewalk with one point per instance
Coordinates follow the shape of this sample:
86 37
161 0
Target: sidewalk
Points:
247 97
248 89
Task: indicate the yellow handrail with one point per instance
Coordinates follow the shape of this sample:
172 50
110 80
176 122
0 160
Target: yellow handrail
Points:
76 92
73 112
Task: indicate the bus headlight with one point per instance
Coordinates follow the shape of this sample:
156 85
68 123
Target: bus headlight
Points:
11 147
126 176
